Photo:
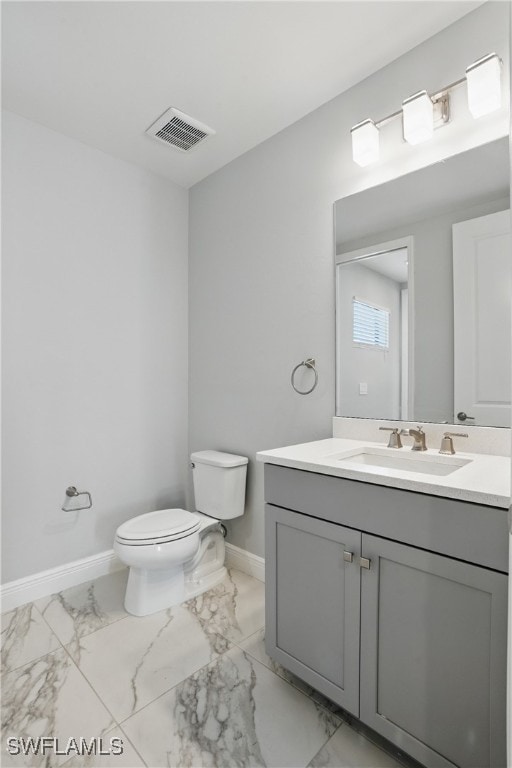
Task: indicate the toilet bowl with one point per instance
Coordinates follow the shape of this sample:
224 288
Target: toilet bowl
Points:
174 554
155 546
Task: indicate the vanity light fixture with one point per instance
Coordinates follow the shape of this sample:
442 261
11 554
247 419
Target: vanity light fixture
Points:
365 143
484 85
418 118
422 113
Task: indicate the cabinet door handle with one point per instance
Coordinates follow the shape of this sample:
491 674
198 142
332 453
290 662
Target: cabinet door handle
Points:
348 556
365 562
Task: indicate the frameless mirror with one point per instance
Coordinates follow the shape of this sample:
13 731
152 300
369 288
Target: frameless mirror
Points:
423 294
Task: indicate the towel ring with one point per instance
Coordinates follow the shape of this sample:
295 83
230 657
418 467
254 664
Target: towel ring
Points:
309 363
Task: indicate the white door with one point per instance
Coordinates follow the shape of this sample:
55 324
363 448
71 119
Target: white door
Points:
482 288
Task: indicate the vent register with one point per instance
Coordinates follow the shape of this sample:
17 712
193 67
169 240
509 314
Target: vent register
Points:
179 130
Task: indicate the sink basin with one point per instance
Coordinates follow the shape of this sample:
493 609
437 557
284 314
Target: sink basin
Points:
417 462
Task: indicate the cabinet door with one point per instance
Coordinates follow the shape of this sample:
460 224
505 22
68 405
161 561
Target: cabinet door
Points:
433 655
313 601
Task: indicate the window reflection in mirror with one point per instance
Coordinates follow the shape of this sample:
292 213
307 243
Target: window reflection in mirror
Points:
449 340
372 320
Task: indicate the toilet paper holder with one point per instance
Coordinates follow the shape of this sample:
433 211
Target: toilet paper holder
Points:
72 493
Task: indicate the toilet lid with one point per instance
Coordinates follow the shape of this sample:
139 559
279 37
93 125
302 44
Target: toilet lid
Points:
155 526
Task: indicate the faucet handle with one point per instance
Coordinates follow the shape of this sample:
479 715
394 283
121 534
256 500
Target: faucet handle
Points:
394 438
447 442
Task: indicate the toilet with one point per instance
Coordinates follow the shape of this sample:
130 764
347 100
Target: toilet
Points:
174 554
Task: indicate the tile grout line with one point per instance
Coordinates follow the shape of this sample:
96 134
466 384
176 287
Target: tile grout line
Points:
281 677
212 662
55 594
62 647
114 720
218 657
343 722
65 648
132 745
305 695
41 655
288 682
121 721
165 693
111 730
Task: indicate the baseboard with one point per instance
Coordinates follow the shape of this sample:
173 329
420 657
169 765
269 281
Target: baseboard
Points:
245 561
16 593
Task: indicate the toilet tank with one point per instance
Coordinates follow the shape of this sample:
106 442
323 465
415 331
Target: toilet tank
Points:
219 483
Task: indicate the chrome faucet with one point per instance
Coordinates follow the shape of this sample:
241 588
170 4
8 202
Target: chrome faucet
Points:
419 438
394 438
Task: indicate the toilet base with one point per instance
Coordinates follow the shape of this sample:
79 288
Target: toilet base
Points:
206 569
195 587
151 591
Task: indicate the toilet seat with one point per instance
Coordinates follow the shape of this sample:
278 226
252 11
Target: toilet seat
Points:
159 527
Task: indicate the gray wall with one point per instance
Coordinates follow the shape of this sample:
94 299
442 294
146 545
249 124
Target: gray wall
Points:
261 253
94 341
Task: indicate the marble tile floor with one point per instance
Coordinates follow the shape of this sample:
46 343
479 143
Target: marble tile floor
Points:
189 687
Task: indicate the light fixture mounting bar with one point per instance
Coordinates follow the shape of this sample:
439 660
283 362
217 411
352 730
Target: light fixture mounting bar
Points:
441 108
441 94
388 118
448 88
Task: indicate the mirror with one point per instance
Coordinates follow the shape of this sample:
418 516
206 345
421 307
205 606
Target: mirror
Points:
423 294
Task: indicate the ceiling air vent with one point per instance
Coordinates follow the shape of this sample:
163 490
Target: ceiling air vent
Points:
179 130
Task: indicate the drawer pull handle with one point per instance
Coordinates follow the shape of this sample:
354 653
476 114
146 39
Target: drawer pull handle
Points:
348 556
365 562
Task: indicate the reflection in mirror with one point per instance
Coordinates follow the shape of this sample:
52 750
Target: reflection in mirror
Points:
423 294
372 297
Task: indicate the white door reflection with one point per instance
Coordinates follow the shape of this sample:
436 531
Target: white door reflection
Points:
482 290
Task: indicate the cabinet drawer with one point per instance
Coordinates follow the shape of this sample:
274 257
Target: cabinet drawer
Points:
471 532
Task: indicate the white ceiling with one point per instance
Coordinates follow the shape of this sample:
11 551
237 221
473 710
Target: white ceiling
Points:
102 72
392 264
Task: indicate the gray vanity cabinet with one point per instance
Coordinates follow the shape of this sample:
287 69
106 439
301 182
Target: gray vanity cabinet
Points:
433 633
313 613
408 639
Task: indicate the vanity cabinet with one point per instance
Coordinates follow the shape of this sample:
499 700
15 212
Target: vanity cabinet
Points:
407 638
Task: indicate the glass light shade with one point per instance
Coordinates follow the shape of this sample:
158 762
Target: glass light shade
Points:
484 85
418 117
365 143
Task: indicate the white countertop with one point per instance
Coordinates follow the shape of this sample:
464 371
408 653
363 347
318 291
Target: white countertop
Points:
485 479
